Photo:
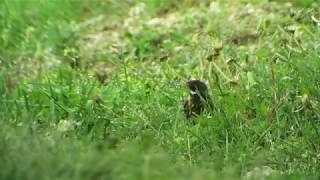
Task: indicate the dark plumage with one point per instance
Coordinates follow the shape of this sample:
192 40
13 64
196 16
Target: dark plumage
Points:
198 99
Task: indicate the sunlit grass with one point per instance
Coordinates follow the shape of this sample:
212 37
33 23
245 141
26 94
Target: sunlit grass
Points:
108 101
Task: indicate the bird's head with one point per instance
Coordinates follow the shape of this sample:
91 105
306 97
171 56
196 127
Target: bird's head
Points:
196 87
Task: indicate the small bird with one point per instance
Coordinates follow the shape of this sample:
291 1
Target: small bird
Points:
198 99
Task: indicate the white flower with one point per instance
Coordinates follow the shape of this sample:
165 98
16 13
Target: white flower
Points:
65 125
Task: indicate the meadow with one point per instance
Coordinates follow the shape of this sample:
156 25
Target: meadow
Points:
93 89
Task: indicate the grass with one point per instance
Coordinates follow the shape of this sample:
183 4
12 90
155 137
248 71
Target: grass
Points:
95 90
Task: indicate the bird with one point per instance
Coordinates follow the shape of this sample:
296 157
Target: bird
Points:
198 100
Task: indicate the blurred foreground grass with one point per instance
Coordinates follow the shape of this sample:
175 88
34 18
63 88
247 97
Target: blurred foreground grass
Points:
93 89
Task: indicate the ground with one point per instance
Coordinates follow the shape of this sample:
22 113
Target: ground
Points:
94 89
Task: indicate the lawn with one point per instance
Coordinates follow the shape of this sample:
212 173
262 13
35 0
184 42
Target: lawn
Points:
94 89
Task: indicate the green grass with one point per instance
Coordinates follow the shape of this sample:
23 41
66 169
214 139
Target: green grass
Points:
94 89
